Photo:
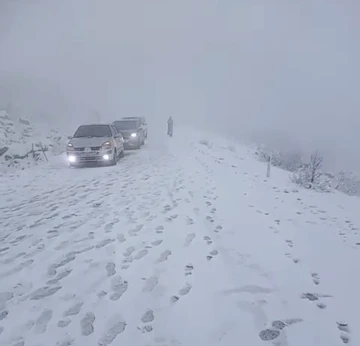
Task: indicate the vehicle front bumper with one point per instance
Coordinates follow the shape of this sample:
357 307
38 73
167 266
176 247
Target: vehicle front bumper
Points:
82 157
131 142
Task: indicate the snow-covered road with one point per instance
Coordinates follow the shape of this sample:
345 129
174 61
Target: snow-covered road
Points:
181 243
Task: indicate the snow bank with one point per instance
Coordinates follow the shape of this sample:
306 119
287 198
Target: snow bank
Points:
24 144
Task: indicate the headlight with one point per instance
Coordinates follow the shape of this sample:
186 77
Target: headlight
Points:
133 135
71 158
106 146
106 157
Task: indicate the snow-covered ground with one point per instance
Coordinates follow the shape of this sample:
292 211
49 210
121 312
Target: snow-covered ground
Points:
182 243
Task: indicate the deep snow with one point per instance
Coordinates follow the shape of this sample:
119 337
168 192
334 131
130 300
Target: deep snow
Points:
184 242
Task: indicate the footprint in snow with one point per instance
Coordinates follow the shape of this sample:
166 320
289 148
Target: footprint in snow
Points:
218 228
345 331
150 284
156 242
129 251
3 314
189 221
73 310
314 296
189 238
147 318
118 326
42 321
167 208
121 238
44 292
64 323
19 342
188 269
129 259
269 334
87 324
289 243
109 227
210 219
136 230
185 290
104 243
315 278
208 240
141 254
174 299
164 256
119 287
59 277
212 254
159 229
110 269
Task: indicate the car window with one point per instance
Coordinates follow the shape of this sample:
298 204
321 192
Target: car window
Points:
114 130
93 131
122 125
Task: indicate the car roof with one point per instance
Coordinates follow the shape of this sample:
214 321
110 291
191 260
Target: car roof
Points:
96 125
124 120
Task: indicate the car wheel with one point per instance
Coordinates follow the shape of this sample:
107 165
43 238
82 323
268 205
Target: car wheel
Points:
122 154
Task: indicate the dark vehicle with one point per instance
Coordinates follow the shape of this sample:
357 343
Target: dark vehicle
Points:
99 143
132 132
142 122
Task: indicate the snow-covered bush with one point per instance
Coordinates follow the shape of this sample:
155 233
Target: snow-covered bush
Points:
348 183
288 161
23 144
310 175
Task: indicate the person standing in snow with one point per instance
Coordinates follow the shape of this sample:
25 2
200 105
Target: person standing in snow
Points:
170 123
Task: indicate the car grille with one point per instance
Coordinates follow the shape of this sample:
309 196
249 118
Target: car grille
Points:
90 159
92 148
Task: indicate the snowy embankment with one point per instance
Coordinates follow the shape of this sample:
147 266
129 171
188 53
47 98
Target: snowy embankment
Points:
24 144
182 243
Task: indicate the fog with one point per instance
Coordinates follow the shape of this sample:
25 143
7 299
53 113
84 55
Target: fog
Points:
283 73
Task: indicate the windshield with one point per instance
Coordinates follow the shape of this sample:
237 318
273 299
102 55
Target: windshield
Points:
125 125
93 131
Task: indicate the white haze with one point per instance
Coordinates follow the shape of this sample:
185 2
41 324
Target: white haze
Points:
282 72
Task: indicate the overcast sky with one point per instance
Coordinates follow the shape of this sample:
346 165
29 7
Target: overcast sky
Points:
286 70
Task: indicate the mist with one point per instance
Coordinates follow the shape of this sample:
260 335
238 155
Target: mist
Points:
282 73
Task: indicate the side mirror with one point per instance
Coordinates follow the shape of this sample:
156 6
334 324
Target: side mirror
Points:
69 137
